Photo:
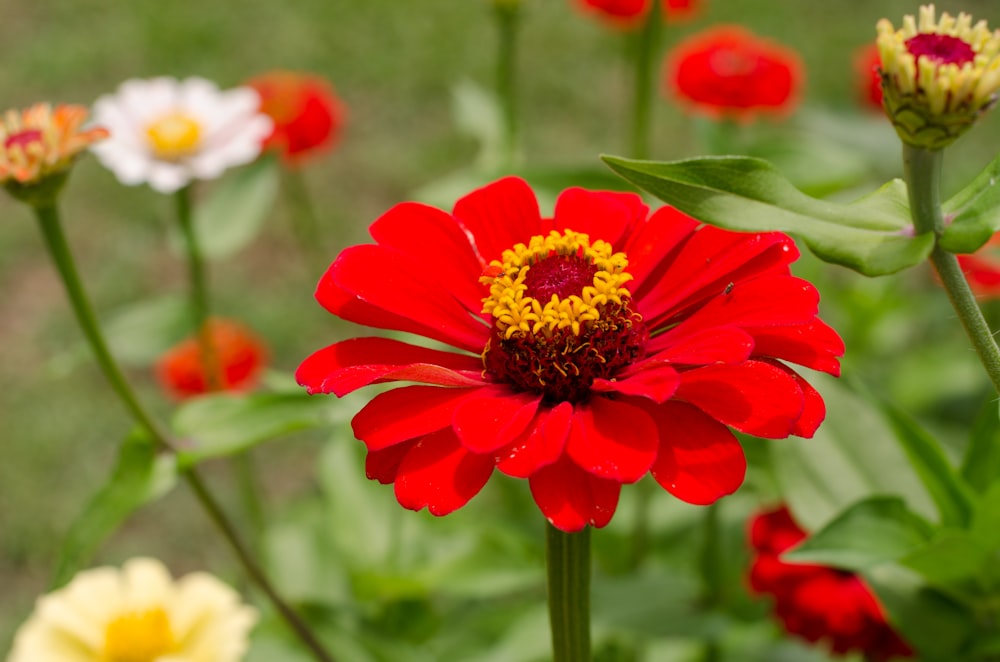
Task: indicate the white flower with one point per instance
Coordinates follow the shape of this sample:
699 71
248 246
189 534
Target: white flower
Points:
167 132
136 614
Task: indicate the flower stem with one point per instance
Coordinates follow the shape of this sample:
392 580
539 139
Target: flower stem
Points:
568 564
305 223
923 178
646 40
55 240
508 19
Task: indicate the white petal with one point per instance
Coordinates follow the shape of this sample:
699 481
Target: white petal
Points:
168 177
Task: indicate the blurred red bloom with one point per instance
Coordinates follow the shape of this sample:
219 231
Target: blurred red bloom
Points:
982 268
306 112
240 356
727 71
816 602
629 13
593 347
866 64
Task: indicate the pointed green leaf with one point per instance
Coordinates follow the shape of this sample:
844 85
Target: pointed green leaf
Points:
871 532
140 476
973 214
233 215
227 424
872 235
956 563
981 464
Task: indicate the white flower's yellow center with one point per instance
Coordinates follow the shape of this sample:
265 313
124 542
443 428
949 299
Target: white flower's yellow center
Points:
138 637
174 136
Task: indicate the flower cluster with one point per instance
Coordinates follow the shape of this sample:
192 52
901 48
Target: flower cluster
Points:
594 347
238 356
136 614
816 602
727 72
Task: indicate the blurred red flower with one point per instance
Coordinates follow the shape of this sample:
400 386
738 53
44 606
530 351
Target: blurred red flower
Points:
562 374
629 13
816 602
306 112
728 72
240 356
982 268
866 64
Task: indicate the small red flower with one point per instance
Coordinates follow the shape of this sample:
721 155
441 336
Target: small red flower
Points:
867 62
816 602
591 348
727 71
629 13
306 112
982 269
239 354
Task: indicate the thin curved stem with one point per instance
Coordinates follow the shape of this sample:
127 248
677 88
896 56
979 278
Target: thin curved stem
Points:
922 168
508 21
646 40
567 558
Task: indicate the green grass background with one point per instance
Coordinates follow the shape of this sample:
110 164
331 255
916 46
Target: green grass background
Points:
394 63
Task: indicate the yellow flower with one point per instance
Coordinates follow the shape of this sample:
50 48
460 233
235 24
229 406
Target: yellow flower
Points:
40 144
938 75
136 614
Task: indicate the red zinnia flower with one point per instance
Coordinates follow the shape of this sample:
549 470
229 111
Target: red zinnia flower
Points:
239 354
866 63
817 602
593 347
629 13
306 112
729 72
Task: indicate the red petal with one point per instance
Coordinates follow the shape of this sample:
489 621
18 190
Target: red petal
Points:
753 397
571 498
720 344
383 465
500 215
346 366
612 439
541 443
654 380
814 410
407 413
432 237
393 282
699 460
495 418
599 214
441 475
814 345
653 241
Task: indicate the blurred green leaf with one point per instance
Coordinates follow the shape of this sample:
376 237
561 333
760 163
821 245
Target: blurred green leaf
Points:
854 455
141 332
868 533
225 424
956 563
981 464
140 476
477 114
233 215
974 212
813 164
871 235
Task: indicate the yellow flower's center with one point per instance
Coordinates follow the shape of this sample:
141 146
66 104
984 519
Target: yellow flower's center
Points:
562 315
174 136
138 637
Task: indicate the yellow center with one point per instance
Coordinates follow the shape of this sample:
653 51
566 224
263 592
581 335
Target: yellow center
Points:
138 637
174 136
512 301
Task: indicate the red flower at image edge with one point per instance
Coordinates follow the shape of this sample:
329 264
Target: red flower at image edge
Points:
615 343
816 602
867 62
982 269
727 71
629 13
240 356
306 112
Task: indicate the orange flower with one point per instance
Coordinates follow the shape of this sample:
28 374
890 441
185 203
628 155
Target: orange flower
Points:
866 63
306 112
727 71
42 141
238 353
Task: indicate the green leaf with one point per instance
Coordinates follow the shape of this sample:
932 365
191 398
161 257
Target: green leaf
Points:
140 476
815 165
226 424
981 464
477 114
871 235
951 494
955 563
871 532
974 212
140 333
233 215
986 519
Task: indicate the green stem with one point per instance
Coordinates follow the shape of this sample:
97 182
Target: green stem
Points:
923 178
710 559
644 52
508 19
55 239
568 564
305 222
